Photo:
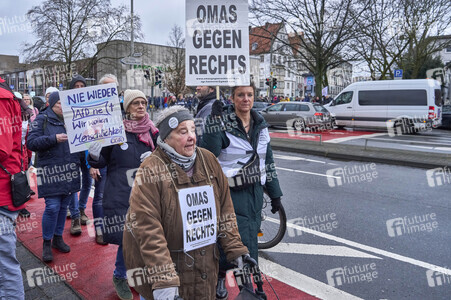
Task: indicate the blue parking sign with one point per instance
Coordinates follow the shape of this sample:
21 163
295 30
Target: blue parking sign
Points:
397 73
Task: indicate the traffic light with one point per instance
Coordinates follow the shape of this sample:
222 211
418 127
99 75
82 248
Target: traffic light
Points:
147 74
268 81
274 83
158 77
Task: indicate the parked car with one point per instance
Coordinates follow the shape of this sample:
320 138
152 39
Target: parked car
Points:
446 116
259 106
298 115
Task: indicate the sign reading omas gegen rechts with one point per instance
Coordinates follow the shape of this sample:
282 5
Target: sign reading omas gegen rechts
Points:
92 114
217 42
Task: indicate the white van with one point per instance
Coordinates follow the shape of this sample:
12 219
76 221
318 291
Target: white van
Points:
408 104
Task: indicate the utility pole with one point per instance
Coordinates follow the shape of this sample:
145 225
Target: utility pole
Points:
132 42
271 92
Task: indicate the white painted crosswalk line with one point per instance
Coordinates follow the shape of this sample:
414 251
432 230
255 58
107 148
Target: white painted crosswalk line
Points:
312 249
302 282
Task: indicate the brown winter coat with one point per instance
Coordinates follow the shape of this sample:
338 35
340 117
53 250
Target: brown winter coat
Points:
153 237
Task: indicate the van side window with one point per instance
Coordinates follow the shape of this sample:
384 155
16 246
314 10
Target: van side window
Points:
393 97
344 98
276 107
304 107
291 107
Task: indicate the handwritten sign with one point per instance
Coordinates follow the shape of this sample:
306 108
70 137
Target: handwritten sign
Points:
217 42
92 114
198 208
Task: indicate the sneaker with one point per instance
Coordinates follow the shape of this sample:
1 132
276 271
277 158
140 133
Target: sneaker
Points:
75 227
99 239
122 289
59 244
68 214
221 290
47 255
83 217
24 213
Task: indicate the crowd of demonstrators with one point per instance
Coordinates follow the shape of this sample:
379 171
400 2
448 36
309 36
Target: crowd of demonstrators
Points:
11 283
141 136
78 203
48 139
247 143
154 230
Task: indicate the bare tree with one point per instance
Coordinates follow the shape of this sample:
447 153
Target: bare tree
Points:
320 31
68 31
175 59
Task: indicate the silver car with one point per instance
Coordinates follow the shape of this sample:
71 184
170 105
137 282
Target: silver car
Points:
298 115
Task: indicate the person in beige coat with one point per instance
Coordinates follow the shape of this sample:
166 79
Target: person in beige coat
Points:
173 224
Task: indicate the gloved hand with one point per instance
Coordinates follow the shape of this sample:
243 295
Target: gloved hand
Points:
166 294
275 204
145 155
94 150
239 261
216 108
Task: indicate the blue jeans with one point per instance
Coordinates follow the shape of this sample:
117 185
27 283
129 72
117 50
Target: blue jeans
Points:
80 202
97 208
11 284
54 216
120 271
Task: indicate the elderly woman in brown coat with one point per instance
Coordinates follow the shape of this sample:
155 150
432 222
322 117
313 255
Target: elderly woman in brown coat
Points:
179 206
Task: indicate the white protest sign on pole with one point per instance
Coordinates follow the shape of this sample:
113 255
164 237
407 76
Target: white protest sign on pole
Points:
92 114
198 208
217 43
325 91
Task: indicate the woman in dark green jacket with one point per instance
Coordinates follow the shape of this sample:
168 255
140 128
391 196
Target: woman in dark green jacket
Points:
239 136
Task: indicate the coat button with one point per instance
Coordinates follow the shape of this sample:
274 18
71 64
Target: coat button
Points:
202 252
204 276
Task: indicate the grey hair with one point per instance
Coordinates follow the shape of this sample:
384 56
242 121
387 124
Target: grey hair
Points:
169 111
110 76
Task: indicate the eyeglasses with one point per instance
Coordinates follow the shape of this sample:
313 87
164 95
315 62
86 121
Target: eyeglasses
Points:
138 103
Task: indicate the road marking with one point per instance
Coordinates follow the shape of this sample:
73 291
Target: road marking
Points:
443 148
287 157
305 172
302 282
311 249
350 138
395 256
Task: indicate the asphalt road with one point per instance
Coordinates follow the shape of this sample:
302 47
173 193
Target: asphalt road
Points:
357 245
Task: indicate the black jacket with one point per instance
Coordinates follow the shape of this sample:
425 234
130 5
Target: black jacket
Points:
121 169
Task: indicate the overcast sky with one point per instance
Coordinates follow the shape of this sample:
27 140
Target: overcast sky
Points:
157 16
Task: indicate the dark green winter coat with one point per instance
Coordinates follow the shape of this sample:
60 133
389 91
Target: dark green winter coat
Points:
248 202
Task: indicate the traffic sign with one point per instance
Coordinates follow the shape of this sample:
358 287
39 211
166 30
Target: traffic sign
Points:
60 86
398 73
130 60
11 86
310 80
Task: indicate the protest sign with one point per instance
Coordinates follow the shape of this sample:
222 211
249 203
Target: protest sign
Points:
217 42
198 208
92 114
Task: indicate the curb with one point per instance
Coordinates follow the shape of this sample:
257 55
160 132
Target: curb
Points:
370 154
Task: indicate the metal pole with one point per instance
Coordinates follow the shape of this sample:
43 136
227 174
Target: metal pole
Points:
271 92
217 93
132 44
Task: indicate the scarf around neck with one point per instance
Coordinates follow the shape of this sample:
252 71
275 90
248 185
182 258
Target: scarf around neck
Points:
184 162
141 128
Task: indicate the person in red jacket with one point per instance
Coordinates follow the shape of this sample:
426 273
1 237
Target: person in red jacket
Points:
11 285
